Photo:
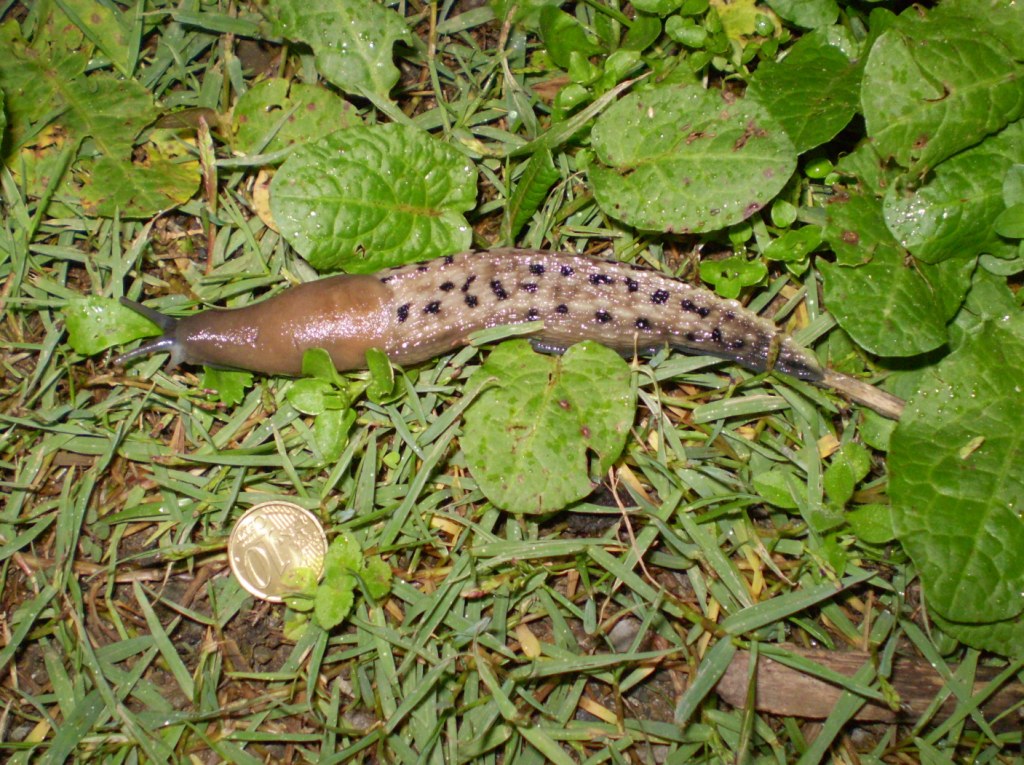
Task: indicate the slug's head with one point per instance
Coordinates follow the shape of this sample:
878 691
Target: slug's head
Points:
166 343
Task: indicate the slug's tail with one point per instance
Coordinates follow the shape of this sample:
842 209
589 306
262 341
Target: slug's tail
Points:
166 343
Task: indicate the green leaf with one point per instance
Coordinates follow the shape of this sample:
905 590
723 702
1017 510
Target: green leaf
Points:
813 92
809 14
334 602
730 275
376 577
872 523
352 39
848 467
563 35
106 28
317 363
954 214
657 7
957 477
296 111
344 556
795 245
308 395
367 198
531 189
548 426
229 384
331 432
684 159
888 304
1005 638
935 86
97 323
774 488
1010 222
382 376
112 186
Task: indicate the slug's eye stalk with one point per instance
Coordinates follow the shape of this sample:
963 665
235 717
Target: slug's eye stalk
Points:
167 342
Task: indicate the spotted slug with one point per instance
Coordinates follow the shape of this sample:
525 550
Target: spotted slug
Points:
418 311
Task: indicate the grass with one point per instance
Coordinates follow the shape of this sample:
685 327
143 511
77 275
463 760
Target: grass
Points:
594 635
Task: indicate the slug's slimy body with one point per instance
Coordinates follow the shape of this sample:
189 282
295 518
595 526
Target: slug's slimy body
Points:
419 311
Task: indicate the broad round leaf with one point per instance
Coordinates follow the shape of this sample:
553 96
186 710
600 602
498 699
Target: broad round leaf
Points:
953 215
366 198
935 86
687 159
888 304
353 40
957 477
308 112
537 438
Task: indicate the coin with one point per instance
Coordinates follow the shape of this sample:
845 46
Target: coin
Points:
270 543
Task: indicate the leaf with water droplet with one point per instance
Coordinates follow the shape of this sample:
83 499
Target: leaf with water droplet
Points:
957 477
938 84
688 159
353 40
549 427
888 303
954 214
813 92
370 197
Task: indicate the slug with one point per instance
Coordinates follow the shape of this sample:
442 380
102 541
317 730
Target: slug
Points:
418 311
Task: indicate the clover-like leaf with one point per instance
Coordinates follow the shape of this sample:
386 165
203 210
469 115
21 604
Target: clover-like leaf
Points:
687 159
366 198
538 437
957 477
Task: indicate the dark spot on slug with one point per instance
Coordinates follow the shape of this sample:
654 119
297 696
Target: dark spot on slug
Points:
643 323
422 268
532 315
632 284
700 310
601 279
385 279
403 312
729 315
658 297
537 269
471 301
529 287
432 307
716 336
449 259
470 280
603 316
447 287
498 290
567 270
737 344
691 337
563 308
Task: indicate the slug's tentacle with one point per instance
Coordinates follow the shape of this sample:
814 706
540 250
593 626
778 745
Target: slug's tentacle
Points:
167 342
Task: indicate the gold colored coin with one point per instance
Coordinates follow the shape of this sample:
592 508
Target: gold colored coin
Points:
270 543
